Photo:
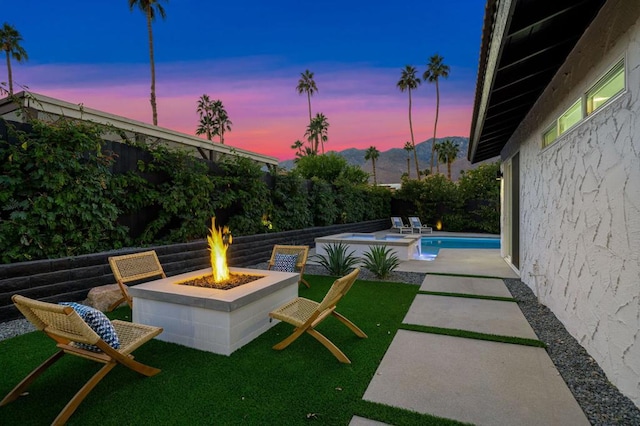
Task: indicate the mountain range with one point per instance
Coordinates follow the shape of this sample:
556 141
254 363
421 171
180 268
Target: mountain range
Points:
393 163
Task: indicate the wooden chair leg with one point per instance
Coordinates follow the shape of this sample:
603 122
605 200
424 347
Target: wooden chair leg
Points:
26 382
303 281
116 304
125 298
349 324
286 342
73 404
329 345
138 367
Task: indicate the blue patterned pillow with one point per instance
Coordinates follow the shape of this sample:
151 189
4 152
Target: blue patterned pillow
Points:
285 262
98 323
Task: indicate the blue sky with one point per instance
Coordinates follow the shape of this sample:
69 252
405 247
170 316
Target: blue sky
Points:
250 55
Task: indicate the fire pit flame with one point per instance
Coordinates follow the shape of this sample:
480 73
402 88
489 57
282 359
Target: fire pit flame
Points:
219 240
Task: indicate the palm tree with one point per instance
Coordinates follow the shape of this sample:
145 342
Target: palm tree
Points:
408 82
408 147
317 131
221 122
150 8
307 85
448 153
10 40
297 146
206 126
435 70
372 154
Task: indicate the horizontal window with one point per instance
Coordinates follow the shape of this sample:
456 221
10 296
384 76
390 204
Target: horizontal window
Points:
609 86
550 136
598 95
570 117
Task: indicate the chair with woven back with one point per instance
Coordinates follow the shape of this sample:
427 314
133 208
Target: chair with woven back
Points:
74 336
289 259
305 315
134 267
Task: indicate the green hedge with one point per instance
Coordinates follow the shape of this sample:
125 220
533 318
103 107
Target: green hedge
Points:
61 198
470 205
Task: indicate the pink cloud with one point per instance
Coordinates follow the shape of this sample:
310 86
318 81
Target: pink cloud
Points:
362 103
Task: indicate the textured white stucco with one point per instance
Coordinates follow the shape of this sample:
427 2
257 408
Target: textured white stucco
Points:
580 201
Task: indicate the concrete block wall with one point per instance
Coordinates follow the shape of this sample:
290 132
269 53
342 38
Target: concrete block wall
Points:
71 278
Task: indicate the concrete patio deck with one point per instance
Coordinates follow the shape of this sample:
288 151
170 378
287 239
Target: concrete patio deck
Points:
468 380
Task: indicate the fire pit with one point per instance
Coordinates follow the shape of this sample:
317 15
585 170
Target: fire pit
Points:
215 319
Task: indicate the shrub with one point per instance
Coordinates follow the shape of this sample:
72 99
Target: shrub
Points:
57 193
241 189
337 261
290 203
323 203
182 199
380 260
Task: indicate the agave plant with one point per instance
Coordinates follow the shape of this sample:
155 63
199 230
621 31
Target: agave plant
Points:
381 261
337 261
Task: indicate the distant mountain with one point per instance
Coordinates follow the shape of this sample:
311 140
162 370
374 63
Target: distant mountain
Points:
393 163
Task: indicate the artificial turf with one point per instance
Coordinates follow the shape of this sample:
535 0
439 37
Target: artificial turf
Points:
255 385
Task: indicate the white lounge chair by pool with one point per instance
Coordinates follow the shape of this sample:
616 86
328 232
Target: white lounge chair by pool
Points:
416 225
397 223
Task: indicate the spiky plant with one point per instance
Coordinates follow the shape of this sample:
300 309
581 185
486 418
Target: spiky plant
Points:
337 261
381 261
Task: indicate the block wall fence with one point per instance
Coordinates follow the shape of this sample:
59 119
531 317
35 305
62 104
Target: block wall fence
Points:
71 278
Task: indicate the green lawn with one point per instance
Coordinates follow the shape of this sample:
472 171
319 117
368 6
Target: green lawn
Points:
255 385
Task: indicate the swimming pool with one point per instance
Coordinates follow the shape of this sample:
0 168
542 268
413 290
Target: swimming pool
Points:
430 246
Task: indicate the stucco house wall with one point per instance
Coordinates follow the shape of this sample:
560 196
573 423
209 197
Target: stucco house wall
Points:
580 200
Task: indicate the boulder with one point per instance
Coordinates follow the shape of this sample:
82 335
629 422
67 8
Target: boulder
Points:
104 296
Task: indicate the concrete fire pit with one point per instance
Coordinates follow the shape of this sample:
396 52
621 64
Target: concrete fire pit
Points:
218 321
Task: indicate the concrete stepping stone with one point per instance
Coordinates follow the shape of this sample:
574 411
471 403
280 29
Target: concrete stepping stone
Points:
476 381
479 315
361 421
466 285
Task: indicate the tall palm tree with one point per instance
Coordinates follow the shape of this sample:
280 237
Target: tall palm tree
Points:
205 110
150 8
448 153
10 40
372 154
435 70
408 82
307 85
408 147
318 131
221 122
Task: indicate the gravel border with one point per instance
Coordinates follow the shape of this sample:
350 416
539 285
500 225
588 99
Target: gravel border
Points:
602 402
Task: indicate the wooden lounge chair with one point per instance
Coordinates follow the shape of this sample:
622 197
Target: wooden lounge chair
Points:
134 267
416 225
306 314
65 326
397 223
282 259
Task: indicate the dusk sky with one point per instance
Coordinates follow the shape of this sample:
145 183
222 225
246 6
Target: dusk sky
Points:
250 55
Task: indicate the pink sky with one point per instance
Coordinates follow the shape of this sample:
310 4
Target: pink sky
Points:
362 103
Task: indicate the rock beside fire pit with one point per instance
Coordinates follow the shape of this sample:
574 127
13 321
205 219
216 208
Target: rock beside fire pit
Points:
104 296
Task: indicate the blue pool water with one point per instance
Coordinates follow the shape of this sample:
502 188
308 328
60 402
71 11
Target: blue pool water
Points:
430 246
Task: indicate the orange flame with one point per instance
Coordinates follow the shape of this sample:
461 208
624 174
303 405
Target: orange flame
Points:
219 241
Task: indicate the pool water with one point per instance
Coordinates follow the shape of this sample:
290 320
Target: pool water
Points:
430 246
